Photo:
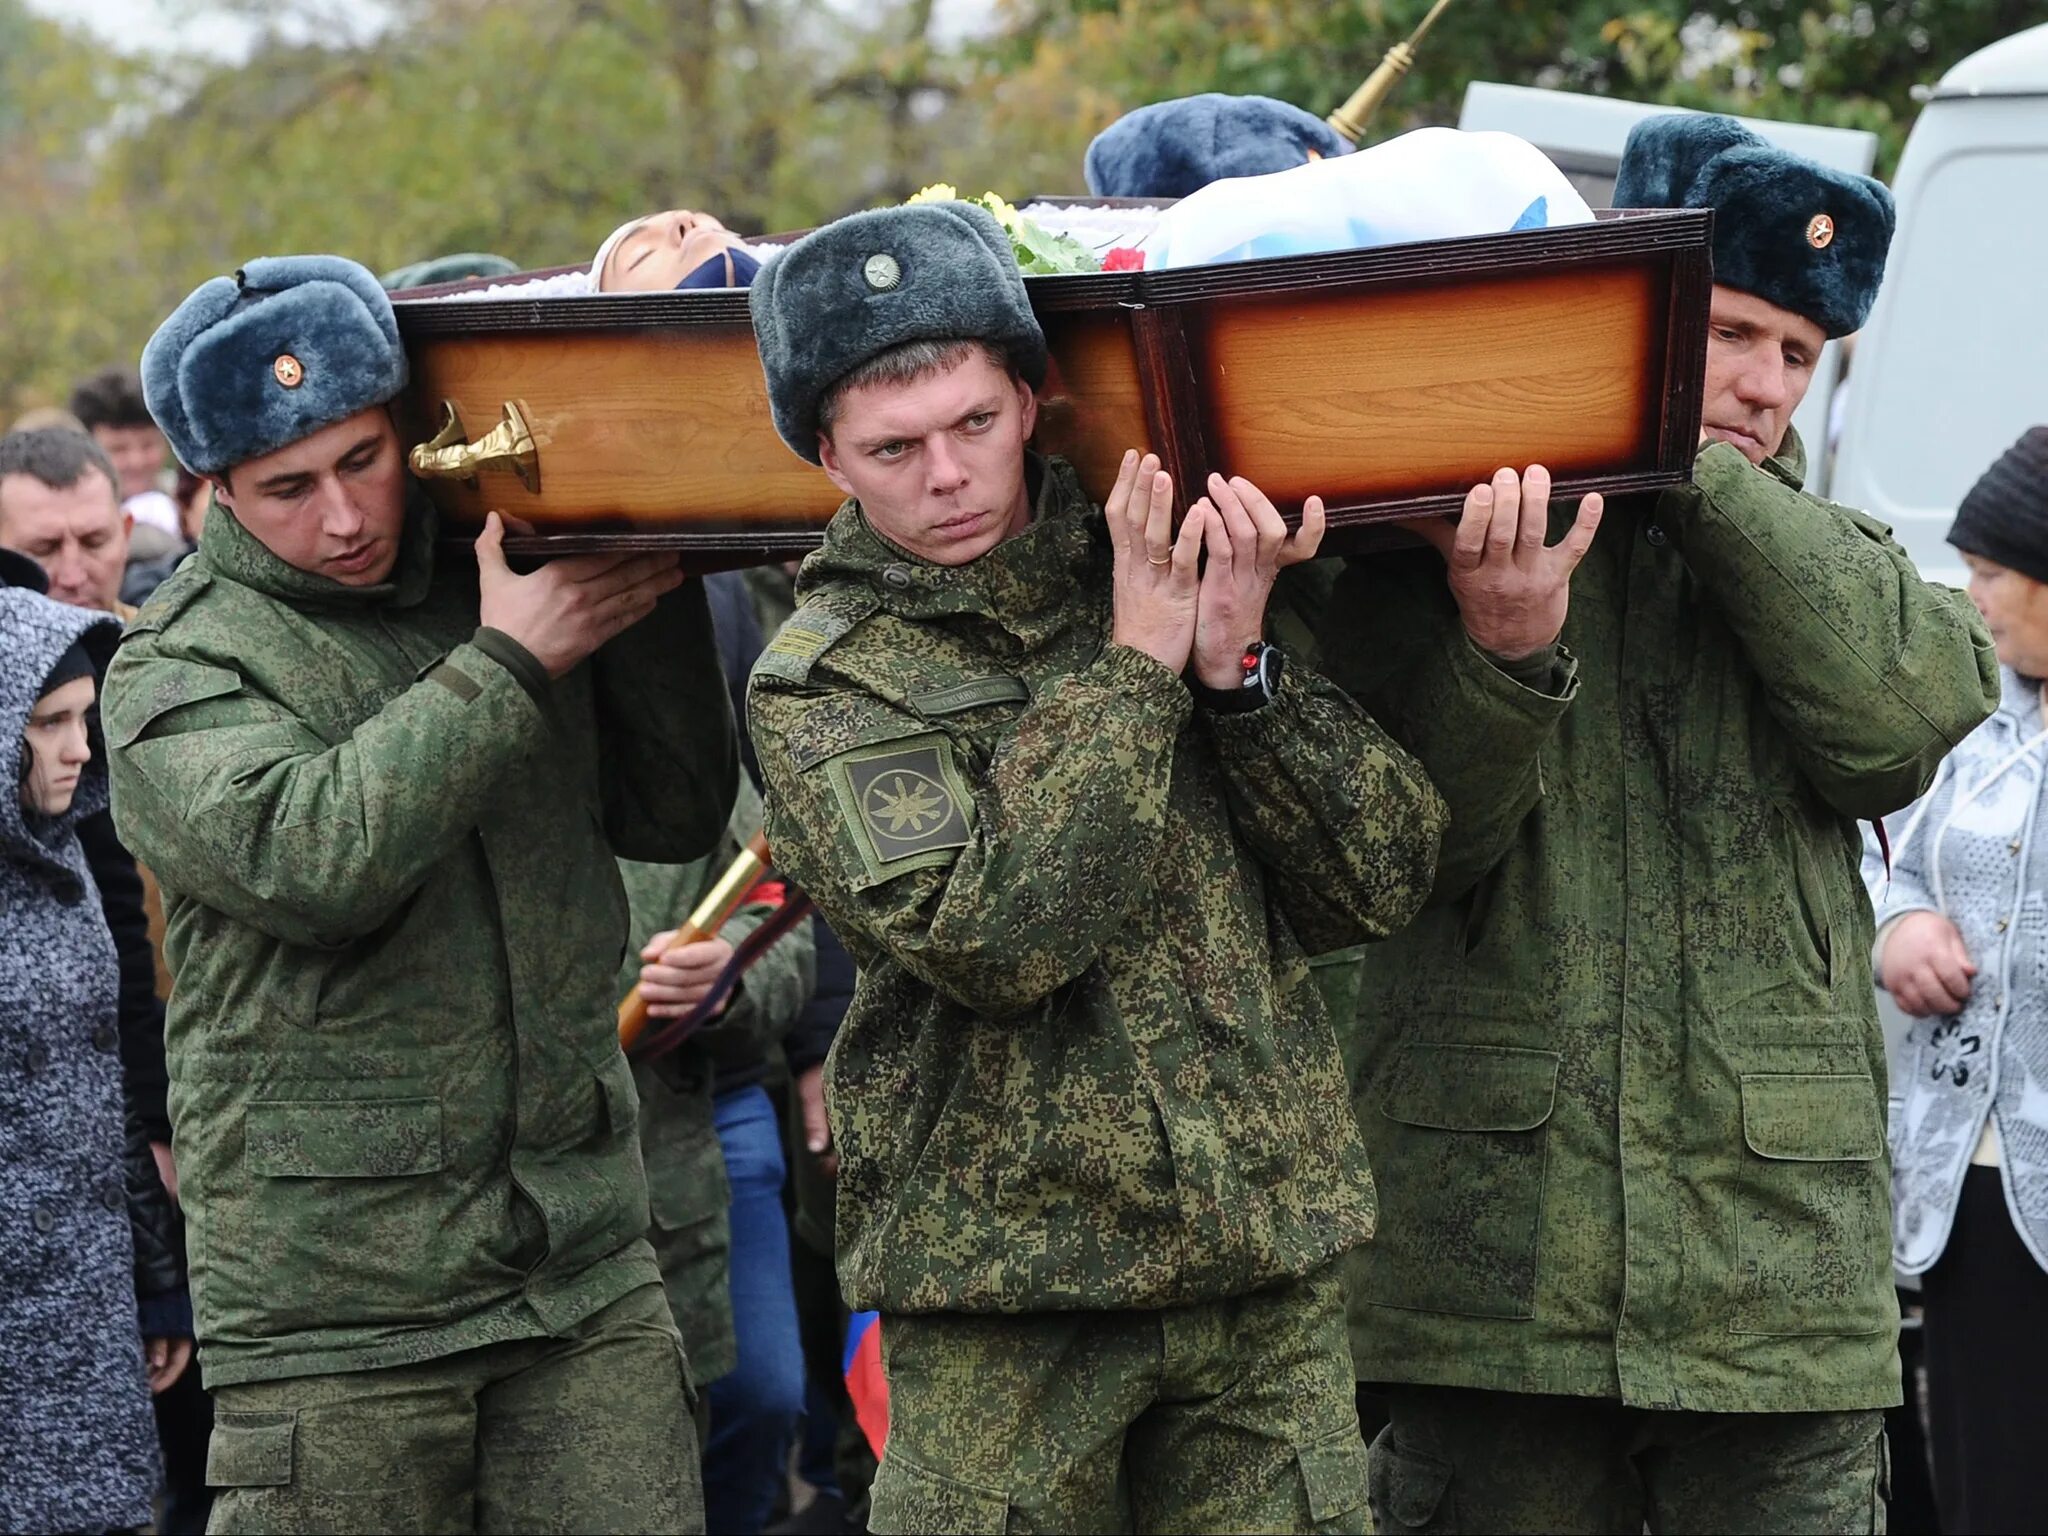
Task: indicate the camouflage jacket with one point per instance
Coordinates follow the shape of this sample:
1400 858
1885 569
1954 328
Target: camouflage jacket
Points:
1623 1083
385 840
687 1193
1085 1066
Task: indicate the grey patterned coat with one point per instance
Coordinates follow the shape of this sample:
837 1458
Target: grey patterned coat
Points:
77 1440
1980 828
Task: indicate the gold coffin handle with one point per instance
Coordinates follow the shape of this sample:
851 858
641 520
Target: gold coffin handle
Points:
449 455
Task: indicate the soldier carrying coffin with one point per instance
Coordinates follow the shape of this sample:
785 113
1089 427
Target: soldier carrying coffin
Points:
1623 1082
1080 828
382 788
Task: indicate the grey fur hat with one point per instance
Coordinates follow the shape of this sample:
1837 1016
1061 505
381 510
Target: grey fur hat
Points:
1172 148
1796 233
871 281
288 345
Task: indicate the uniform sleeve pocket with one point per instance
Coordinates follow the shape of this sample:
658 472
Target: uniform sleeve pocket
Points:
251 1450
1811 1119
908 1497
1333 1472
343 1138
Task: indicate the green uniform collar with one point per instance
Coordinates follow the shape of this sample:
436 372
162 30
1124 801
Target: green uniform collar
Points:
1028 576
230 550
1789 462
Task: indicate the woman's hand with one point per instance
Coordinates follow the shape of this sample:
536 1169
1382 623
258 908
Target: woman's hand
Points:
1926 966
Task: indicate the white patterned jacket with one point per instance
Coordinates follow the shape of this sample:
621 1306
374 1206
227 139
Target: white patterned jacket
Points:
1974 847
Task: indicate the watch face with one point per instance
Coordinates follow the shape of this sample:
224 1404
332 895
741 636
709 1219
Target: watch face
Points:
1269 670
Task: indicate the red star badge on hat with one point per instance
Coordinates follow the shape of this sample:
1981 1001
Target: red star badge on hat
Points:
1820 231
290 373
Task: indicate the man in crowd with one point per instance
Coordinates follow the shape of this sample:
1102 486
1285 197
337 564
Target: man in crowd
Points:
725 1264
60 505
1096 1163
714 1173
1623 1083
110 406
382 789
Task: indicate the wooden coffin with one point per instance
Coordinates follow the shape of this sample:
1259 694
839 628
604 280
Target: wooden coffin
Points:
1387 381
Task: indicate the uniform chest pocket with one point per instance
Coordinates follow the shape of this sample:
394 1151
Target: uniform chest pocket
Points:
1813 1246
1459 1145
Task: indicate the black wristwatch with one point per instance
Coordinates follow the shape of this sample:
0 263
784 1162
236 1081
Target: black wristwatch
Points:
1260 669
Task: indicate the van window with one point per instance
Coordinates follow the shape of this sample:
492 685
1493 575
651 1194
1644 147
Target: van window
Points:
1961 372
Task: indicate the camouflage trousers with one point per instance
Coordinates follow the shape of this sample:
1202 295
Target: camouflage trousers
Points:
588 1432
1453 1459
1230 1416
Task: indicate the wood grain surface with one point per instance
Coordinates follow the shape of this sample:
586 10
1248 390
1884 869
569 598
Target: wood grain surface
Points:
1385 381
1362 396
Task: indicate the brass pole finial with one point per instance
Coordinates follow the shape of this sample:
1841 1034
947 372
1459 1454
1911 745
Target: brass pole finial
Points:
1350 119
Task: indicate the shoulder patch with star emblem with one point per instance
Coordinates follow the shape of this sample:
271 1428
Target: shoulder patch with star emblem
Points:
905 803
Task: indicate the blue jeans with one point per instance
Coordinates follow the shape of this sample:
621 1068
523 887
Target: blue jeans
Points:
757 1409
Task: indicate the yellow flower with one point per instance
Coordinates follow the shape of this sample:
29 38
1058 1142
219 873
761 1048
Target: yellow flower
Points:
937 192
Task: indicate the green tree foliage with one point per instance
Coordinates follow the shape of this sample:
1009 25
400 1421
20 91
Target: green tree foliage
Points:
1072 66
532 127
56 95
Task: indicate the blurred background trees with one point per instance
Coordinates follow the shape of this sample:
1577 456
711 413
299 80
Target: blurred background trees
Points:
532 127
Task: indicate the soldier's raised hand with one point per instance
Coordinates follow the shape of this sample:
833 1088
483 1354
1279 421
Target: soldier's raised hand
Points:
1511 587
571 606
1156 572
1249 546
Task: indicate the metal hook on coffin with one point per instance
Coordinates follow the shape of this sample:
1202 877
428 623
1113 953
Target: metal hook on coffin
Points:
448 455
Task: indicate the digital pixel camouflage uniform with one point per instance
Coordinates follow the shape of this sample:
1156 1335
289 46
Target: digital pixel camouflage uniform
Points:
406 1136
687 1192
1623 1084
1096 1156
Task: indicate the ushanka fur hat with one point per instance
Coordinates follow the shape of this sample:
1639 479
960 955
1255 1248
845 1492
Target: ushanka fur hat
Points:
872 281
1794 232
288 345
1172 148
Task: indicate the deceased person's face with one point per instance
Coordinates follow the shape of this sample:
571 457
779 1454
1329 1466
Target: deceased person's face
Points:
663 249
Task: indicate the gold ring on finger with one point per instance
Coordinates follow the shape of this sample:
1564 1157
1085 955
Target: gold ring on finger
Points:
1156 560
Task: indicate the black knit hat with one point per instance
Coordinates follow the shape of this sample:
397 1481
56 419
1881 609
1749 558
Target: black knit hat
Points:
2004 516
75 663
17 570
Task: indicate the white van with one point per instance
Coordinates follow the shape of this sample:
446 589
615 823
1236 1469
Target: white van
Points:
1953 364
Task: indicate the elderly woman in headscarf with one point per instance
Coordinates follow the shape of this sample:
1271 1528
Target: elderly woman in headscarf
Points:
92 1304
1962 947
